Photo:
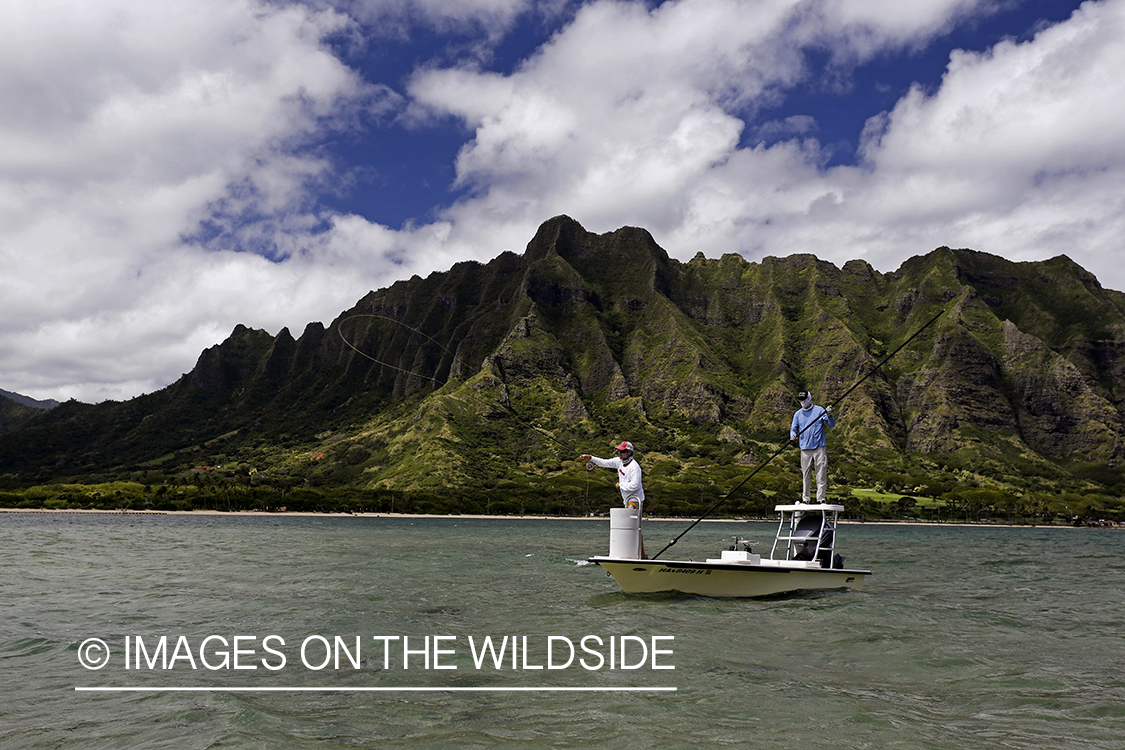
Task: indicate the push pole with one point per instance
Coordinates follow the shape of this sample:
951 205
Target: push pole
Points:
779 451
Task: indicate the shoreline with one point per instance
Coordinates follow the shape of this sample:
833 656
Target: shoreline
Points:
469 516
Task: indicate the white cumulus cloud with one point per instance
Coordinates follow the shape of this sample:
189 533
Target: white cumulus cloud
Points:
634 115
123 123
161 176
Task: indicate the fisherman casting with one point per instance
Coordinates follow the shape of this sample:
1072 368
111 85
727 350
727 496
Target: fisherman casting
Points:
628 474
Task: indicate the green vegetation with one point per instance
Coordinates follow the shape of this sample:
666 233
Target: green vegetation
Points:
474 390
675 488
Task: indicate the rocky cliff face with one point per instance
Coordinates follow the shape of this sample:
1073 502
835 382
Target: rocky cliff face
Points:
603 335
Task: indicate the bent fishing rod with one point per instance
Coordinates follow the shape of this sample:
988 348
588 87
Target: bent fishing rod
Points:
785 445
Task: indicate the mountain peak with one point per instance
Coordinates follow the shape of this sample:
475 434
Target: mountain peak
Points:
565 237
560 235
603 336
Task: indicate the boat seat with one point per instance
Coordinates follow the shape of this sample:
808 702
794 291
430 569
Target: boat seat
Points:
805 536
808 527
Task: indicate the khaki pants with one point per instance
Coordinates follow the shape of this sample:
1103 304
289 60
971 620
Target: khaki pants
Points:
815 458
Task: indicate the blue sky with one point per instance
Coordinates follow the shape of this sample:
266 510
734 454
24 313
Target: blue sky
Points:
417 171
169 170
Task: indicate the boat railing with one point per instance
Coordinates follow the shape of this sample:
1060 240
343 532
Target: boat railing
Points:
807 533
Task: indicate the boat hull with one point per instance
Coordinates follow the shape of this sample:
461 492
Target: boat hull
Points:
725 579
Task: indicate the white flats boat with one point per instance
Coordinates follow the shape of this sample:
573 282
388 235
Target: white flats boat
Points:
803 557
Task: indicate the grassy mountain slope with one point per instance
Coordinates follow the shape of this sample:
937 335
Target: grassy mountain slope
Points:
491 377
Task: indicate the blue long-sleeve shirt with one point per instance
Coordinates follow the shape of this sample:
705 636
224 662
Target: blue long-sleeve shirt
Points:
813 437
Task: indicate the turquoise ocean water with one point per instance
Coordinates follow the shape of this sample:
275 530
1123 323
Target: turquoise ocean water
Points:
963 638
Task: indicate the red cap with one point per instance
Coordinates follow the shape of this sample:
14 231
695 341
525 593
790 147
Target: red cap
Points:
625 446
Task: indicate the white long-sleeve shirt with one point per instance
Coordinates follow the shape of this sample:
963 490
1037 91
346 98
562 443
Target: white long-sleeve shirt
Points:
628 477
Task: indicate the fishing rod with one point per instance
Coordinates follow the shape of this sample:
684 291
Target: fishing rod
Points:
785 445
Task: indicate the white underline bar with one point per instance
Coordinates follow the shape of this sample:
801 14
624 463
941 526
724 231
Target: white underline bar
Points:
374 689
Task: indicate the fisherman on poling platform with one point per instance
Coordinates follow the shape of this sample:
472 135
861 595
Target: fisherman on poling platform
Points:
629 481
807 431
628 474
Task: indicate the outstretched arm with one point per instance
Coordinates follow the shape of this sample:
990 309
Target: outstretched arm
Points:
605 463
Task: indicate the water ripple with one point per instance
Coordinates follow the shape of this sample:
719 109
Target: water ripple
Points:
964 637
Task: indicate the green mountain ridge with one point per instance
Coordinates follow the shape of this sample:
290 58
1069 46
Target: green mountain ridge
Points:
477 377
15 409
